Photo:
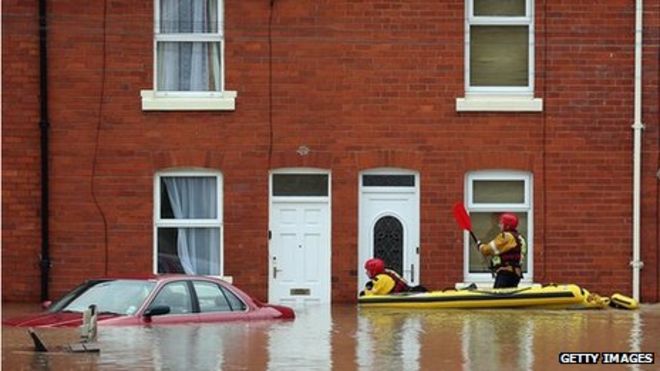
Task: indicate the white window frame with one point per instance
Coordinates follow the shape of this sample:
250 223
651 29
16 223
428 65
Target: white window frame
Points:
525 206
188 223
499 98
299 170
155 100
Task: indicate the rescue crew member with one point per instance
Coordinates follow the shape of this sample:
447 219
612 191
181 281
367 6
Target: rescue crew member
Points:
385 281
507 250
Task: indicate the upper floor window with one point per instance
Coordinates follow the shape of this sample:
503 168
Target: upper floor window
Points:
189 48
499 56
188 57
500 37
188 223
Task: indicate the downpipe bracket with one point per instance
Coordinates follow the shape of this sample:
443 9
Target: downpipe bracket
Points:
45 263
638 125
637 264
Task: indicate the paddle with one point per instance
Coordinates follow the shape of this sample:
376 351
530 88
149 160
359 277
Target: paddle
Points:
463 219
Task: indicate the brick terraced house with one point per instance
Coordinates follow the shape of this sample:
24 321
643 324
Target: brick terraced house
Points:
283 142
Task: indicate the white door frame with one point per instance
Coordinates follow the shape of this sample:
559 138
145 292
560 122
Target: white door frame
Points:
411 251
299 200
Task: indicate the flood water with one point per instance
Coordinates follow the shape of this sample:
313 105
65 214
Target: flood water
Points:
343 337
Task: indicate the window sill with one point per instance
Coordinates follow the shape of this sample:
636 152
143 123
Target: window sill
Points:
153 102
498 103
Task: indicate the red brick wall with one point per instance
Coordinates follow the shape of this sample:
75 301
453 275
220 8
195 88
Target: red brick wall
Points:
363 85
21 236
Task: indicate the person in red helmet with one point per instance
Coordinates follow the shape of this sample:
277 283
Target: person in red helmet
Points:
506 251
385 281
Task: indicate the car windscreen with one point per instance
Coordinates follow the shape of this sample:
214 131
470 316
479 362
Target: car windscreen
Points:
112 296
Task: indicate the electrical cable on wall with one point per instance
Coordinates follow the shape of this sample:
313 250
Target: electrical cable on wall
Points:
98 135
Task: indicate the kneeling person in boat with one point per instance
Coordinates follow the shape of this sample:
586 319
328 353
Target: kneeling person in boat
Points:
507 250
385 281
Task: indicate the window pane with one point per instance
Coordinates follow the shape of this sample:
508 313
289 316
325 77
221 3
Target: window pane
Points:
116 296
499 8
188 16
188 66
168 258
188 197
499 191
236 303
189 250
388 180
499 55
300 185
388 239
485 226
176 296
211 298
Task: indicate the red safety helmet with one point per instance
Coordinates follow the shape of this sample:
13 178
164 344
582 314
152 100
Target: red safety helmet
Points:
374 267
508 221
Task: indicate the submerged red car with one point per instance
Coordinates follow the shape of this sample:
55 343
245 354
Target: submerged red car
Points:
168 299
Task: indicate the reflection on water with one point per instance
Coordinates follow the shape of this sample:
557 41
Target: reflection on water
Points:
347 338
304 342
388 340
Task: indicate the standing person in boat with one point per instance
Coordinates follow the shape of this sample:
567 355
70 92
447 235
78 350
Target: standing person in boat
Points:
507 250
385 281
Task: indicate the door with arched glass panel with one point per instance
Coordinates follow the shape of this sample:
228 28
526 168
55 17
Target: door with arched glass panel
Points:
389 221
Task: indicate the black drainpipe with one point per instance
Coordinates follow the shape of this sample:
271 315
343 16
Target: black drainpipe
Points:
44 262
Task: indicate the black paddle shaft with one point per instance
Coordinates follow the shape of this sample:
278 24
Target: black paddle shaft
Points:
474 238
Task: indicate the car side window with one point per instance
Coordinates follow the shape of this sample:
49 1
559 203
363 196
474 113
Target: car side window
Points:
210 297
176 296
215 298
236 303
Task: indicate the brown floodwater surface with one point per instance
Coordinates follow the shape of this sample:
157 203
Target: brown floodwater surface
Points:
344 337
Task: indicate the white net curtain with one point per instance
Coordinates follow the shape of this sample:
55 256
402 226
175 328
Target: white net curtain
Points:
187 64
195 198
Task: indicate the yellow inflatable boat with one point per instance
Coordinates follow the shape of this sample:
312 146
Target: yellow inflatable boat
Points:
567 296
621 301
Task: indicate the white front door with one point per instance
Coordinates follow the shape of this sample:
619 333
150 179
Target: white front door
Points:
389 222
299 264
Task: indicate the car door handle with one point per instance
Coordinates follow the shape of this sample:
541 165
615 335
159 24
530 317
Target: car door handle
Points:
275 270
412 273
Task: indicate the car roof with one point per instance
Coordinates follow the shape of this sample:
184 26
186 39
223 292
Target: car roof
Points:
165 278
158 277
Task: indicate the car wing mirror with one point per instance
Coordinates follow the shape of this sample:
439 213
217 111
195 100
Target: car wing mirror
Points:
157 310
46 304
